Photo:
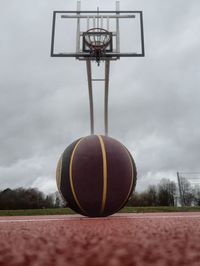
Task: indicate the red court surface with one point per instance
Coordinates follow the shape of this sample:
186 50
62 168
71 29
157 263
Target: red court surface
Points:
122 239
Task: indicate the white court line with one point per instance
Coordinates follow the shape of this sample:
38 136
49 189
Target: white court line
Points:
36 220
99 218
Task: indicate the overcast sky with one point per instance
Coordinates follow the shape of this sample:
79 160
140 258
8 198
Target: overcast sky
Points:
154 103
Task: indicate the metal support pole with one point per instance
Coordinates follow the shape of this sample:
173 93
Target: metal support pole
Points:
89 76
88 23
107 74
78 28
106 93
108 23
98 17
180 189
117 28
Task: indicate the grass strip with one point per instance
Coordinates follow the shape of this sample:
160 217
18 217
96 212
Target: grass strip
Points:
65 211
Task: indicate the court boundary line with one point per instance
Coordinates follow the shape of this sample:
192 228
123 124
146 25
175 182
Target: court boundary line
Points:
38 219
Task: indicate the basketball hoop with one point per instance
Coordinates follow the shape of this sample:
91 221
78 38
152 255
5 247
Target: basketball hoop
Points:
97 39
95 36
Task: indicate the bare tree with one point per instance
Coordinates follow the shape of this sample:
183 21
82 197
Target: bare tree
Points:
167 193
196 194
186 191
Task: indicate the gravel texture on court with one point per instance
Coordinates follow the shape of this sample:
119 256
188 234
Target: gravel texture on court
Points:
122 239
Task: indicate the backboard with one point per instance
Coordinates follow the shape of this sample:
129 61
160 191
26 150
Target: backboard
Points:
125 30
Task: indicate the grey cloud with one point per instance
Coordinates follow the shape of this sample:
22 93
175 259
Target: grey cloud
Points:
154 101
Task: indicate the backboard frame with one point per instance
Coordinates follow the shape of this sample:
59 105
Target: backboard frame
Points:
108 55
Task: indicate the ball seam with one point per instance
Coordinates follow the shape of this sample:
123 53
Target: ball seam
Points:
71 179
104 194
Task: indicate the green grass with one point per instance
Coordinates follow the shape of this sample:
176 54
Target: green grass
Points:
64 211
59 211
159 209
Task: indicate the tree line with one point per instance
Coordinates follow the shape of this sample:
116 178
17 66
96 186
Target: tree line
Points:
166 193
30 198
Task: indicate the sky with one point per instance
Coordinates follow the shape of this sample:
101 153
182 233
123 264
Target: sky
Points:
154 102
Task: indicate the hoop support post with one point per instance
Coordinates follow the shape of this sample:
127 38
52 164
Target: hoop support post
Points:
89 76
107 74
106 94
78 27
117 27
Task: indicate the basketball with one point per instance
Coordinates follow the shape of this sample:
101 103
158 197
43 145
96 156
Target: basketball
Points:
96 175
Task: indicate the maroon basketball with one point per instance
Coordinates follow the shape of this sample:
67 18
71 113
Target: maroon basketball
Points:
96 175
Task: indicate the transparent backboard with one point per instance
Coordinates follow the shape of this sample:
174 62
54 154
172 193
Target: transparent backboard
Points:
125 28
